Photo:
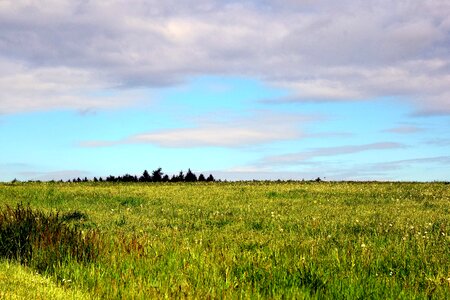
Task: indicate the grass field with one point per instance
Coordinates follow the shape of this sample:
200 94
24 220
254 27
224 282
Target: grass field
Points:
241 240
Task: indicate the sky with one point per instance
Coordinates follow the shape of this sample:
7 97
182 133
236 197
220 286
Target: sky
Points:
294 89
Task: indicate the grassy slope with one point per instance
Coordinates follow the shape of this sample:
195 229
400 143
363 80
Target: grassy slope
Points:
303 240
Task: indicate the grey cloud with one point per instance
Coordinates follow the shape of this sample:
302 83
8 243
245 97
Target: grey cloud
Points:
28 89
321 50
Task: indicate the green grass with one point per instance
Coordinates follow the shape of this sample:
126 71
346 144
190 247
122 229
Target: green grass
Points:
252 240
17 282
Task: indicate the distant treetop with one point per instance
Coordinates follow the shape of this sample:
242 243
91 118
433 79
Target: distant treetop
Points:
156 176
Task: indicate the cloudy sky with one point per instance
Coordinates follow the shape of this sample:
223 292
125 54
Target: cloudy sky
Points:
242 89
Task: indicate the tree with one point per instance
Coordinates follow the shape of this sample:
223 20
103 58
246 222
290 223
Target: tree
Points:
190 177
145 177
157 175
210 178
180 177
201 177
165 178
127 178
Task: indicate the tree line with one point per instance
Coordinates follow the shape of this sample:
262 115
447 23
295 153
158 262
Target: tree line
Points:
155 176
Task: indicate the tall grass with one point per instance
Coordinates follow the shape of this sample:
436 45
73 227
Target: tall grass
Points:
43 241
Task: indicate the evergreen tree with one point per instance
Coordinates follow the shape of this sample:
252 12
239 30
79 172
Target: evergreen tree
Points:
201 177
210 178
157 175
190 177
145 177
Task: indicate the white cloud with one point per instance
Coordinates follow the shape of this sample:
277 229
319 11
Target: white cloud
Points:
53 175
25 171
259 128
404 129
212 136
385 171
306 156
321 50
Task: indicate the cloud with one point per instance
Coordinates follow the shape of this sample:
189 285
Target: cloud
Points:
405 129
442 142
259 128
26 171
24 89
319 51
53 175
218 136
302 157
441 160
387 170
384 171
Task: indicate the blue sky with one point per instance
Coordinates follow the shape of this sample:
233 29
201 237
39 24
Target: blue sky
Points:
240 89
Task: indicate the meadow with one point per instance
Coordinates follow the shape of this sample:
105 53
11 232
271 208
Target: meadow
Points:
251 240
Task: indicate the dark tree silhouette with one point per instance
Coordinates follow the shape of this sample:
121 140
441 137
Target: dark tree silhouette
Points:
190 177
157 175
145 177
179 177
127 178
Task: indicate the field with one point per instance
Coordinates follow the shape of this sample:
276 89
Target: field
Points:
239 240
